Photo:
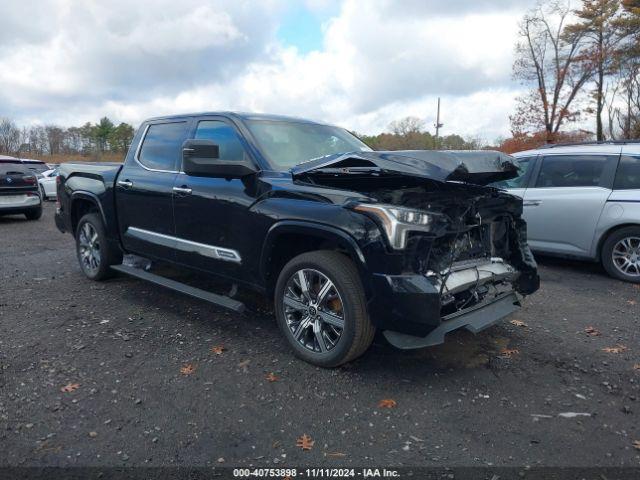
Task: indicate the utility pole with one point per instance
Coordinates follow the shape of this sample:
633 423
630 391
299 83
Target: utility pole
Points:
438 125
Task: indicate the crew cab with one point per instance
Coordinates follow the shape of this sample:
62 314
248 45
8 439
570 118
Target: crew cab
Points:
345 240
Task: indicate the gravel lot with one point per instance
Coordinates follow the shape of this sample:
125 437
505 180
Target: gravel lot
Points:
465 403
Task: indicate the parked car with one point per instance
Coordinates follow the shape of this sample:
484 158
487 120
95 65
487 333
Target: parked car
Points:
345 240
47 184
36 166
583 201
19 191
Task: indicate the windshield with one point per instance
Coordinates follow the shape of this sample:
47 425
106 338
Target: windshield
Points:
286 144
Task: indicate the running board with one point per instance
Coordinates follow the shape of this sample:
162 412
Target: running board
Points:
220 300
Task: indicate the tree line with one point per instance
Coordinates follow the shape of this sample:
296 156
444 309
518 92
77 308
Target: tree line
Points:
410 133
578 64
87 140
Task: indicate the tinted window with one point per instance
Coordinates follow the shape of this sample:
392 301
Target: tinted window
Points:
628 174
162 145
572 170
224 136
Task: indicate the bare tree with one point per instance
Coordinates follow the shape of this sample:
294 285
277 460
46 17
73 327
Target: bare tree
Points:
55 139
554 65
9 136
406 126
600 31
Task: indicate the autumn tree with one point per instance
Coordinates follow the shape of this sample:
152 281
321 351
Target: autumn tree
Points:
553 65
598 29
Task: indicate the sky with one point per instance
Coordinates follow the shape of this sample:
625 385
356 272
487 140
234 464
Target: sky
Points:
354 63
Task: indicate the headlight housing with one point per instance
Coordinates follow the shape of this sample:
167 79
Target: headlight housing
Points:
396 222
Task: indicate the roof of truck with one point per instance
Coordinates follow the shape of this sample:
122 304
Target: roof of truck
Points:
240 115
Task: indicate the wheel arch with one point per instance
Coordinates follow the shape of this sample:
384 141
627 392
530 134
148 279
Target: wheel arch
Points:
83 203
287 239
607 233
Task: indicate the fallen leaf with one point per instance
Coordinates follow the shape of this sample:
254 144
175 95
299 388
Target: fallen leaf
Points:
218 349
244 364
305 442
336 454
518 323
93 434
188 369
573 414
592 331
636 366
271 377
631 302
387 403
636 444
509 352
71 387
616 349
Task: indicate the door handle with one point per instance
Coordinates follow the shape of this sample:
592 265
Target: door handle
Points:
182 190
531 203
125 183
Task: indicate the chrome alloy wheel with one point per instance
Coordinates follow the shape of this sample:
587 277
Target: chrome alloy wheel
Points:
626 256
313 310
89 248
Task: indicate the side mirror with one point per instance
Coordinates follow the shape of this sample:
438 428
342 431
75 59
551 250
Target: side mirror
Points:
201 158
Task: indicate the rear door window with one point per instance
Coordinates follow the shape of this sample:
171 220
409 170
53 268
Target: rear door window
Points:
628 173
574 170
162 145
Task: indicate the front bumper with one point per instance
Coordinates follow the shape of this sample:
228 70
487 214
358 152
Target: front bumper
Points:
426 307
474 319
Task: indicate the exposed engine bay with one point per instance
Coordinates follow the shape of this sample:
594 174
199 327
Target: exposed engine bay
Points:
475 250
477 253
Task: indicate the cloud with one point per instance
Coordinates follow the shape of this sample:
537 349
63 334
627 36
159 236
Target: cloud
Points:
70 61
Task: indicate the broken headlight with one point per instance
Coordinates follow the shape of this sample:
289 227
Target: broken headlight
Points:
397 221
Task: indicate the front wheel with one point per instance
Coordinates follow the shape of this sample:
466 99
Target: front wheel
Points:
621 254
321 308
95 254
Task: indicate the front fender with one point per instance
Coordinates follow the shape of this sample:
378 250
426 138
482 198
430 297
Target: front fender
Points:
318 230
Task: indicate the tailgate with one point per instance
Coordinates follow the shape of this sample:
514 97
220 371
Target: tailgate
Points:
16 180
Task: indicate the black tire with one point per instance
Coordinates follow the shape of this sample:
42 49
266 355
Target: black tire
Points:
356 335
34 213
107 254
43 194
607 254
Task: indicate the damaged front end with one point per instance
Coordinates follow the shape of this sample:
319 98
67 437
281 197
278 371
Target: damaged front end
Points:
457 255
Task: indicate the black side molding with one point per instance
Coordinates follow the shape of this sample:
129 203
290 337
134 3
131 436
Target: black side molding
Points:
220 300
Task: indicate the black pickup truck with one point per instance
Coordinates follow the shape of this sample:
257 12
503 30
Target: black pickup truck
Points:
345 240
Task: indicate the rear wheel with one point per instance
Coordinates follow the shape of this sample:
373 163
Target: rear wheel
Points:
621 254
95 253
34 214
321 308
43 194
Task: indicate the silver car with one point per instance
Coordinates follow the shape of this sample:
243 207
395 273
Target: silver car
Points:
583 201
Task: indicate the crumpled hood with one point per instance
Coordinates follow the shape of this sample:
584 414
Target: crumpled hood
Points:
479 167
